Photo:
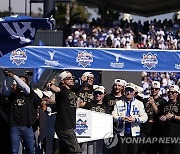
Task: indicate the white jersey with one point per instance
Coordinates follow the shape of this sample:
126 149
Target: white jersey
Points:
137 111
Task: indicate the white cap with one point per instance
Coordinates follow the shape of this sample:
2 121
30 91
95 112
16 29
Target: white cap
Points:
144 73
161 33
155 84
117 80
174 88
122 82
38 92
95 86
70 37
100 88
130 85
64 74
76 32
47 93
139 90
88 74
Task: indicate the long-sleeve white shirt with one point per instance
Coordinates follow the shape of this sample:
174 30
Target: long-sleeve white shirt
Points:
137 111
21 83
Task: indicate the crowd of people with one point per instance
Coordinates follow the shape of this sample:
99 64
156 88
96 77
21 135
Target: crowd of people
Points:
163 35
166 79
135 114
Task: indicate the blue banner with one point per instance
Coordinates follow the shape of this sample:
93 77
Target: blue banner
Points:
93 59
19 31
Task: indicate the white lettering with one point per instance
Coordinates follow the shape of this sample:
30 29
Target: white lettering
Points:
18 33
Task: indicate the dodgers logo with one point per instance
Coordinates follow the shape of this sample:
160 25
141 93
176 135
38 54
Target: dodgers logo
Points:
18 56
19 30
84 58
135 110
117 64
149 60
81 126
51 62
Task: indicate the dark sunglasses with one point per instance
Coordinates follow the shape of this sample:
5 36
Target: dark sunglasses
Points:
98 92
155 89
172 92
90 78
128 92
69 78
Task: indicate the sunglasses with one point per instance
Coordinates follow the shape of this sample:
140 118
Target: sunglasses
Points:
90 78
98 92
69 78
155 89
129 90
172 92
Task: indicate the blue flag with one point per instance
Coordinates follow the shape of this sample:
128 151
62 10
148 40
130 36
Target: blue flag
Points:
37 74
19 31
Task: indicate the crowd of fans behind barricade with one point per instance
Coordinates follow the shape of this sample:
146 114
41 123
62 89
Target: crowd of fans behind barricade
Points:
123 34
166 79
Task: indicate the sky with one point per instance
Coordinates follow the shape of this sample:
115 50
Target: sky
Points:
19 6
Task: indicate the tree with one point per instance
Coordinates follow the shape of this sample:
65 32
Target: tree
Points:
71 13
4 13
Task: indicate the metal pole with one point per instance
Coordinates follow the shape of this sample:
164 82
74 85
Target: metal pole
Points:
25 7
30 8
9 7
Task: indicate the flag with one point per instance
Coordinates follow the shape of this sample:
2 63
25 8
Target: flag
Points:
41 43
19 31
37 74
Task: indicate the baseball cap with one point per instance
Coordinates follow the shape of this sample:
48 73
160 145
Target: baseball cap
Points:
130 86
38 92
47 93
139 90
95 86
117 80
155 84
88 74
70 37
100 88
122 82
174 88
64 74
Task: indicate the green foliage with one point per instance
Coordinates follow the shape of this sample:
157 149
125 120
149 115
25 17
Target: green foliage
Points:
4 13
78 14
60 15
